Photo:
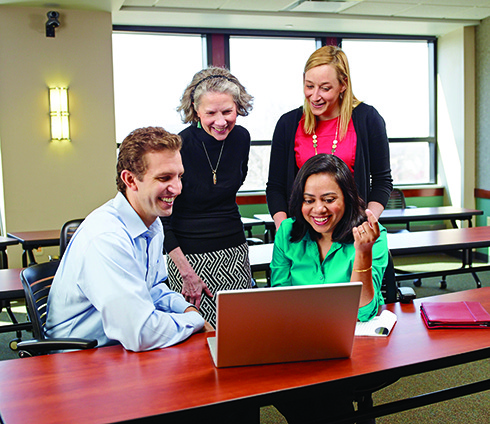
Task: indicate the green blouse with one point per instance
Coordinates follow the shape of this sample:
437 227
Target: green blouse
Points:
298 263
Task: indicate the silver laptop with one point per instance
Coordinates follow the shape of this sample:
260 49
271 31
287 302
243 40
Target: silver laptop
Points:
285 324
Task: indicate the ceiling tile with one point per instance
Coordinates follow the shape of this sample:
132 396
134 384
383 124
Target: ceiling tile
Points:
377 9
258 5
189 4
429 11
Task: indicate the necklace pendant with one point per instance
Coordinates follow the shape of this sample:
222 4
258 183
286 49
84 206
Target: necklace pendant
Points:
214 178
315 143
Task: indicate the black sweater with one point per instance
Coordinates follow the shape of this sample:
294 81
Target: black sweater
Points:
205 216
372 171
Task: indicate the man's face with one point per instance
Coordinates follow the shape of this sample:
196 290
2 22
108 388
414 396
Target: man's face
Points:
154 195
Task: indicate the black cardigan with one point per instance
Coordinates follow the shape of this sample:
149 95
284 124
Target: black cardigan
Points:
372 161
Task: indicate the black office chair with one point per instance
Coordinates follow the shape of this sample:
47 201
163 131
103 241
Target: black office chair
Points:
389 288
397 201
67 232
36 281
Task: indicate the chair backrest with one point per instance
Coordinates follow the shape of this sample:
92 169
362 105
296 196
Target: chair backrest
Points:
36 281
67 232
389 288
396 200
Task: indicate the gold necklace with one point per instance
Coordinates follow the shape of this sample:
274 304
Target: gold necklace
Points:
334 142
215 179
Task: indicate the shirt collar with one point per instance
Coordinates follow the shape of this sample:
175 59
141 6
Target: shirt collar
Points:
135 225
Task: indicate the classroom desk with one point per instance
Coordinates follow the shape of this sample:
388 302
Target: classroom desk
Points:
249 223
439 213
408 243
420 242
31 240
181 383
270 227
11 289
4 243
404 216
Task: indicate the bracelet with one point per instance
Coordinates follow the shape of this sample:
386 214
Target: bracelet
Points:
363 270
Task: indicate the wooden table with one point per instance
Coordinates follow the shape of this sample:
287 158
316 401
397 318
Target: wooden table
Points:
31 240
420 242
181 383
439 213
4 243
11 289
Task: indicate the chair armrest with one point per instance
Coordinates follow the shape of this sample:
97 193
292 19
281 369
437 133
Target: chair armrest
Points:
40 347
406 294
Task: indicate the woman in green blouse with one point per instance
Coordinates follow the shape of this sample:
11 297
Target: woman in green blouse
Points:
330 238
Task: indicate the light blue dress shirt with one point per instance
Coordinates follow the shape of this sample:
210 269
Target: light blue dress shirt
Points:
109 284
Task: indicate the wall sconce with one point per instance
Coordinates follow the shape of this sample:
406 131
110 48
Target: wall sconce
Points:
58 111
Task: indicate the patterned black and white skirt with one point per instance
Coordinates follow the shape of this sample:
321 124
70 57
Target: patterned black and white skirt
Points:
225 269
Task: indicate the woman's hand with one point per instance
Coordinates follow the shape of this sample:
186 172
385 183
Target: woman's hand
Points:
193 288
366 234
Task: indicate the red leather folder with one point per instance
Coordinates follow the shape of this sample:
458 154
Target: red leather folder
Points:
454 315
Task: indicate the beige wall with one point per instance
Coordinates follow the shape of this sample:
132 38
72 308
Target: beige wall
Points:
47 183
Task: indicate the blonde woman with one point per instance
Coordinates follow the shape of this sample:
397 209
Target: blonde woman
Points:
331 121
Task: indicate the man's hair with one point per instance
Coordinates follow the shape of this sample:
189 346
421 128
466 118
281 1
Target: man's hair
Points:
134 147
354 213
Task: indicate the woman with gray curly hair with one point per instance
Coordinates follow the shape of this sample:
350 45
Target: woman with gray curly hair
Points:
204 237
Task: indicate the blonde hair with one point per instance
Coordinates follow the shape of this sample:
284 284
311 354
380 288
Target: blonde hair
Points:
216 80
335 57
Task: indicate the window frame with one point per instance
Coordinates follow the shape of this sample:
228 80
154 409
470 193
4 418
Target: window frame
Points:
216 52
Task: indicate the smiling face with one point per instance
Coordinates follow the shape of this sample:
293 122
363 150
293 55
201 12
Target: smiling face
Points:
217 113
153 196
323 203
322 91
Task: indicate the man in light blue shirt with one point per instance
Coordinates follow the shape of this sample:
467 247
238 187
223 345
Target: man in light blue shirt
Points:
110 282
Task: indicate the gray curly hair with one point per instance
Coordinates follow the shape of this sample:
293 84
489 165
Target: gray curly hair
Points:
216 80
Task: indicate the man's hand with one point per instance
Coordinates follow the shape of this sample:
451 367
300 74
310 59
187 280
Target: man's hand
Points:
193 287
207 326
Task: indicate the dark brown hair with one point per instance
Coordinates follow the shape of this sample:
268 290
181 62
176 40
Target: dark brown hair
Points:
354 213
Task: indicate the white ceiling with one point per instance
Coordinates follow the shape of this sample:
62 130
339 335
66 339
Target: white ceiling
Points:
411 17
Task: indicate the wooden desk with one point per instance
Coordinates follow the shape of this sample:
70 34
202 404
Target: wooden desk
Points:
31 240
110 384
11 289
4 243
420 242
440 213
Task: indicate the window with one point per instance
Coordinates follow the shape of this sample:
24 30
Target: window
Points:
151 72
271 69
394 76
